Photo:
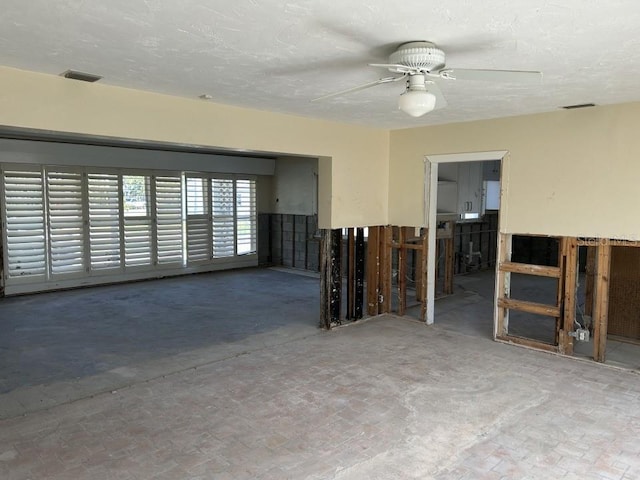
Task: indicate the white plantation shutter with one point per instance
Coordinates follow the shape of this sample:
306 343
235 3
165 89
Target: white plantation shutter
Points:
66 222
25 227
137 241
104 220
246 228
169 219
137 220
198 220
223 232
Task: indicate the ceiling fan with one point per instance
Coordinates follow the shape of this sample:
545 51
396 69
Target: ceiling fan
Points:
421 63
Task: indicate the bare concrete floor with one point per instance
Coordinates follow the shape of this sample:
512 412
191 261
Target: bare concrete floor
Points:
386 398
470 311
62 346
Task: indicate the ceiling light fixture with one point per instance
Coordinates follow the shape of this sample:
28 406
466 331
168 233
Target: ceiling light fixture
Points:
416 100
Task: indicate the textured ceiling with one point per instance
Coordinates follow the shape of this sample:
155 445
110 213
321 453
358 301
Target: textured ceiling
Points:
278 55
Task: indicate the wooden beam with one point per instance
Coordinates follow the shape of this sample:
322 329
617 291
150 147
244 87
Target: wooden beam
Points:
407 246
560 290
570 285
590 271
336 276
351 272
359 280
325 279
373 266
402 273
529 307
601 301
423 274
449 261
503 289
385 269
527 342
527 269
420 252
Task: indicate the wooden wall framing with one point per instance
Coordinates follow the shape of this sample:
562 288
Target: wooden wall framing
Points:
563 310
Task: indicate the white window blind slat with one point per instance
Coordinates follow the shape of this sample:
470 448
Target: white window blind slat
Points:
137 220
169 219
25 227
198 220
246 224
104 221
223 226
66 224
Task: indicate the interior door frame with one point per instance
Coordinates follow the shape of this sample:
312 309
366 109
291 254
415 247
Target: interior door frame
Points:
431 201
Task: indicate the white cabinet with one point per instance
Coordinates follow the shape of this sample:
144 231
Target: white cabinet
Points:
447 191
470 190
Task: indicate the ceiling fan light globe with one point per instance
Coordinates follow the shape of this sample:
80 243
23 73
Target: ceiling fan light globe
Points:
417 102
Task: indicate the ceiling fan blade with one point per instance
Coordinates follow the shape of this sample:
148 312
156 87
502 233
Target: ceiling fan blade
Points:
515 76
434 88
360 87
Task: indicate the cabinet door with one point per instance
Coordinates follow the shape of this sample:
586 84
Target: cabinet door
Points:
470 190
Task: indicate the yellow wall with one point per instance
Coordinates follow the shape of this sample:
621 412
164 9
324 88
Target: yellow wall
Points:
571 172
353 165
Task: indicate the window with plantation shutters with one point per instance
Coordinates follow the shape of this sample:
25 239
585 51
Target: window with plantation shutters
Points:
198 220
222 217
66 226
137 220
246 228
24 220
65 222
104 221
168 190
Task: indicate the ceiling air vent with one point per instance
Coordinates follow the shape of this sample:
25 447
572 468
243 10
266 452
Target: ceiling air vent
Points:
85 77
580 105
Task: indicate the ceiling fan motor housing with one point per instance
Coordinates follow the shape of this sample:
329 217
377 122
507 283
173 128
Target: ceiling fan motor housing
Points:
423 56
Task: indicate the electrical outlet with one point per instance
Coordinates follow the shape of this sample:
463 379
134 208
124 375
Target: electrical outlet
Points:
582 335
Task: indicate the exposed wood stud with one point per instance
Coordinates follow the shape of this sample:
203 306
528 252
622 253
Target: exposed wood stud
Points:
384 295
539 270
359 267
503 289
419 271
325 279
570 262
351 270
560 289
590 271
449 261
402 272
336 275
330 278
373 266
529 307
512 339
601 301
423 274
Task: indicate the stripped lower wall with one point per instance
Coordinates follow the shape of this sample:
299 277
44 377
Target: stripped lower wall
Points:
289 240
